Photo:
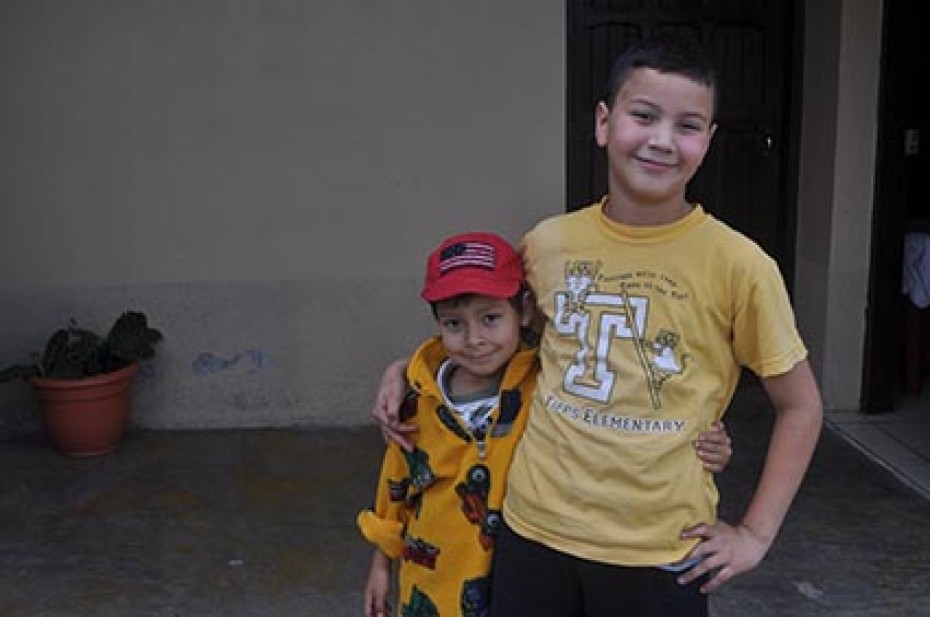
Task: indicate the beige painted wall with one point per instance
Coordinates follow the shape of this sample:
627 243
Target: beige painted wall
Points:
264 179
842 52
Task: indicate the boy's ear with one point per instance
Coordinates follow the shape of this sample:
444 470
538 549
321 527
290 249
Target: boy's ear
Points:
601 123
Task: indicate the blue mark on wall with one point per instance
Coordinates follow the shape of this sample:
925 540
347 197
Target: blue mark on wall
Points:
252 360
258 359
207 363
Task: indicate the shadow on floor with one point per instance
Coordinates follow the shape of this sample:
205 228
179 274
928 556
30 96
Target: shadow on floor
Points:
262 523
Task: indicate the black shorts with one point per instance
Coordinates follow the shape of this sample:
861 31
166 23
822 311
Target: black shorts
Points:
533 580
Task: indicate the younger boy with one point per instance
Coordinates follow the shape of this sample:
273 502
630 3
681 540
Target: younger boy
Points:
437 508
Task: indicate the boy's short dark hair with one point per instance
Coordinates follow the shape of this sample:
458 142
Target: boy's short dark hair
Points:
665 52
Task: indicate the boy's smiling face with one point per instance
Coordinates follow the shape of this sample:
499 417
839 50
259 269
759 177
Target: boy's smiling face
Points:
480 333
656 135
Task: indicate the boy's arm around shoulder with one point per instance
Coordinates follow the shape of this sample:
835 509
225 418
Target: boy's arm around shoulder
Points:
798 420
385 411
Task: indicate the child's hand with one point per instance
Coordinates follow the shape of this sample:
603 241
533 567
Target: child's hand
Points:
388 399
714 448
378 587
726 551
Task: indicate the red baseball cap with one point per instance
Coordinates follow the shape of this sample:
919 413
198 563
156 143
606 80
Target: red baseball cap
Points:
475 262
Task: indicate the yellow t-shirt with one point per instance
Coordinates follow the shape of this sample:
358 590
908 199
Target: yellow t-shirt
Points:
645 333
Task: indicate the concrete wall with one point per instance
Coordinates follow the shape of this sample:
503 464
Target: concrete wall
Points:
264 179
838 147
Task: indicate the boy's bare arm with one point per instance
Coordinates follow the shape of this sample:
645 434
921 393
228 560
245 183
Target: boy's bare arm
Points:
388 399
799 417
377 589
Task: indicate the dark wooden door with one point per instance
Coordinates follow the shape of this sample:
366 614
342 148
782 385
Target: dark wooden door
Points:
749 177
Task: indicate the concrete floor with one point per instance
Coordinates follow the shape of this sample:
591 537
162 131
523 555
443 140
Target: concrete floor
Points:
262 523
898 440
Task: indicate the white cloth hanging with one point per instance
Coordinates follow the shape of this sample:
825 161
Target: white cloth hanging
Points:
915 272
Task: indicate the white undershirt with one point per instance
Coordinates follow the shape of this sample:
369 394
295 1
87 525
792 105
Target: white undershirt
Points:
475 409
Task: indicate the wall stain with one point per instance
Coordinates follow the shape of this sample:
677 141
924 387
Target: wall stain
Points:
250 360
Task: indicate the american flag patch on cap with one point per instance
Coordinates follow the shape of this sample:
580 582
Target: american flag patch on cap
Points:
466 255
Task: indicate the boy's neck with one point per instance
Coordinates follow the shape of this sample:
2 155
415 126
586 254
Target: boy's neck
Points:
463 382
628 212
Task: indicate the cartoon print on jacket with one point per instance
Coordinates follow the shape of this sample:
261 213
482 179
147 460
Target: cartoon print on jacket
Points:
474 495
476 594
421 476
420 605
420 552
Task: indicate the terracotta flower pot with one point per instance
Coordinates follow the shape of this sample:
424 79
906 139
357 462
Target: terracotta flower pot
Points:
86 417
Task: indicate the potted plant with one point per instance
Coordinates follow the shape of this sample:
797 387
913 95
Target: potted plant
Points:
83 382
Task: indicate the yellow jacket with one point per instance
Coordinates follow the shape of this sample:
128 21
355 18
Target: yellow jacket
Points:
437 509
